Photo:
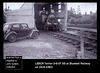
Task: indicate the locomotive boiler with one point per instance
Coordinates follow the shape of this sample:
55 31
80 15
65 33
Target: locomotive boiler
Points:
51 22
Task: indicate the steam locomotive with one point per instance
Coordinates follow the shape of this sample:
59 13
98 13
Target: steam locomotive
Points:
51 23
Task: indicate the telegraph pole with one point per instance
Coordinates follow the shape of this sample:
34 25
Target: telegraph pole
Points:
65 16
5 6
78 10
82 43
33 18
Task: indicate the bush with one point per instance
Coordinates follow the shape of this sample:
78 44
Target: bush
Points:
84 19
72 20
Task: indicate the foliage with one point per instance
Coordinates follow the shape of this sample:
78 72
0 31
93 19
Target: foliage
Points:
74 18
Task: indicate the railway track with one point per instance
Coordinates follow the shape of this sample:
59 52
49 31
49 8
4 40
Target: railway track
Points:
90 42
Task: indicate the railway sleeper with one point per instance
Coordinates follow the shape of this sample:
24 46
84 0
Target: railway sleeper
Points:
61 38
75 42
77 46
66 39
56 37
95 50
69 41
89 48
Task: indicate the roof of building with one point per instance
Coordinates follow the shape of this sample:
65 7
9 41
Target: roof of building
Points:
13 22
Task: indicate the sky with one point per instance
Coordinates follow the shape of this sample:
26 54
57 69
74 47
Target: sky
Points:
84 7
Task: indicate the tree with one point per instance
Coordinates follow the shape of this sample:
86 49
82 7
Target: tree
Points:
94 19
72 20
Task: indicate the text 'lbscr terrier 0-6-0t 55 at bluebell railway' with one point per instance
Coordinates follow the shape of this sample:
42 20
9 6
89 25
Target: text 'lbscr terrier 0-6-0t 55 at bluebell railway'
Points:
14 30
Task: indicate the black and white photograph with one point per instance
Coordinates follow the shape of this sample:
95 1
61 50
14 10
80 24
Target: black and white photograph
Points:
56 30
